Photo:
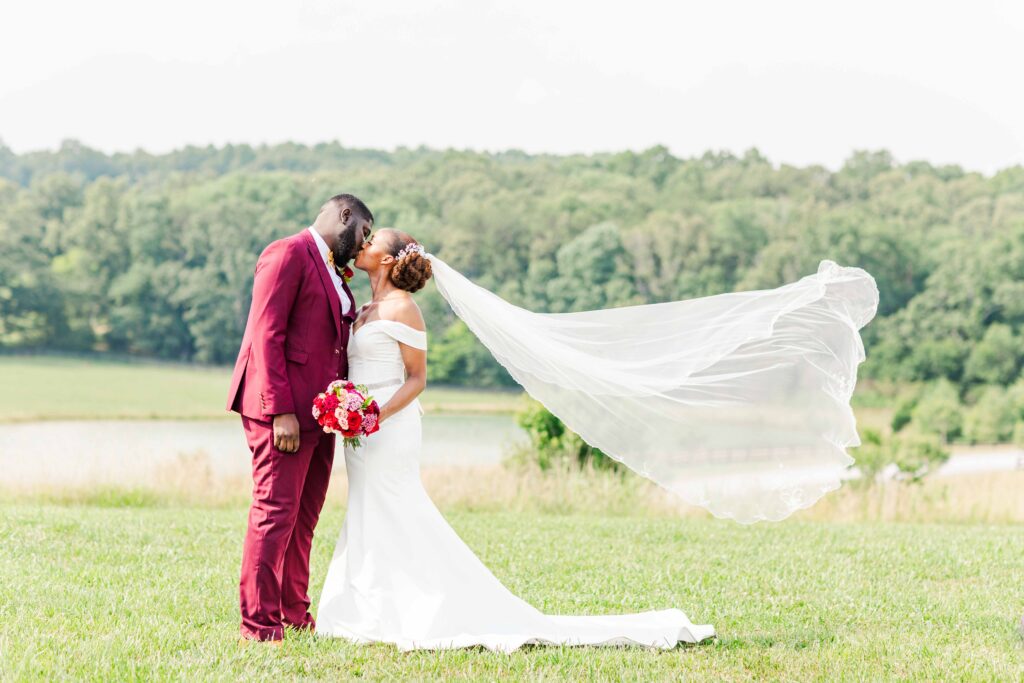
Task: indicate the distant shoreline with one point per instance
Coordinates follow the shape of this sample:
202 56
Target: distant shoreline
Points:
60 387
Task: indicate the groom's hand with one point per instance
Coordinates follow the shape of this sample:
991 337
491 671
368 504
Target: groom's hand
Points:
286 433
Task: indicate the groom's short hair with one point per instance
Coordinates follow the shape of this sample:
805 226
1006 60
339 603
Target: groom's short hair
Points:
355 203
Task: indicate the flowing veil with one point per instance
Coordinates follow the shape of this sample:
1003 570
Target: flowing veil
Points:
738 403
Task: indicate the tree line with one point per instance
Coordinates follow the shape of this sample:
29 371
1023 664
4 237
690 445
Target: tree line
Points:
153 255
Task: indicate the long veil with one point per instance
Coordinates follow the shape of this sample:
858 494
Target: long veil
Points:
738 403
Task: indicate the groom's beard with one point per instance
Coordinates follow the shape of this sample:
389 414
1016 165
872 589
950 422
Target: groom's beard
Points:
344 248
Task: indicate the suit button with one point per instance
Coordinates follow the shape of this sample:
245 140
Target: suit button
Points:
337 352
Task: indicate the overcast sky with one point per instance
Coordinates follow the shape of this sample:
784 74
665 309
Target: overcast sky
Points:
804 82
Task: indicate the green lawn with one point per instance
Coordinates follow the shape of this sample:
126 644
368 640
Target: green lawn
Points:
52 387
110 593
100 389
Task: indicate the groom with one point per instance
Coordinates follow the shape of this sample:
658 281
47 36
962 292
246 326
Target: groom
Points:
295 344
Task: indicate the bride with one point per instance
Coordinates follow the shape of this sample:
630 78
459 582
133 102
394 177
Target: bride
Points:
738 403
399 573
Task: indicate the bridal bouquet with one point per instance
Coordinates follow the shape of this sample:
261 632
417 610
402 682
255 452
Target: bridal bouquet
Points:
347 409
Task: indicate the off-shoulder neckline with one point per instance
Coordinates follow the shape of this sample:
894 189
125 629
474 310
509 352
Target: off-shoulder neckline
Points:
385 320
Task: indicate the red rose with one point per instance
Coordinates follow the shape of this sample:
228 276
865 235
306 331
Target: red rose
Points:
347 273
355 421
373 408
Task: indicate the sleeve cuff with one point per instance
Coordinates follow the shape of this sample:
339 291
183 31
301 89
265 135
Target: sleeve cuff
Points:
271 405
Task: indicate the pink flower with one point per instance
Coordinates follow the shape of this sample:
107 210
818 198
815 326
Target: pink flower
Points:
370 424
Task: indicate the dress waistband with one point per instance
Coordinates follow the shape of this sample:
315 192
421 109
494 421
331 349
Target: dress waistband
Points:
384 383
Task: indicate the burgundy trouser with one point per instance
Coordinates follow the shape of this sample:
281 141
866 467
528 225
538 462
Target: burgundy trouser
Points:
287 495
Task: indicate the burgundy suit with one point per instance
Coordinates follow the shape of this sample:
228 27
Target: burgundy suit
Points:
294 345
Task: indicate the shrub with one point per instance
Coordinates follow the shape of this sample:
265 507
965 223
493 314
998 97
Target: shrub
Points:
919 454
904 411
1015 399
996 358
551 442
914 453
871 456
939 411
991 419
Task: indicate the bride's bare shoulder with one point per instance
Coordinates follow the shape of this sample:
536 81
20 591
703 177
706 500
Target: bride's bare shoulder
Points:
406 311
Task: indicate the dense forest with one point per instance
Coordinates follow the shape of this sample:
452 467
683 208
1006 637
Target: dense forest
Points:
152 255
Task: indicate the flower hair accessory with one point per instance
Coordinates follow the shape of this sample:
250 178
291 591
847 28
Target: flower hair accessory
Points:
410 248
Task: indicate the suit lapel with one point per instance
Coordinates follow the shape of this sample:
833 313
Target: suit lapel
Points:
351 315
325 279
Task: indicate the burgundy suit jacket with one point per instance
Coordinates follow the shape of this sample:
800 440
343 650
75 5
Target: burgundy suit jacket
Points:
296 338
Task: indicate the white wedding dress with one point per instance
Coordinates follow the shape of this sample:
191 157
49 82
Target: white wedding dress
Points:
401 575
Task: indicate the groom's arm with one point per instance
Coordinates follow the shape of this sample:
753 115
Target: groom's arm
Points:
278 273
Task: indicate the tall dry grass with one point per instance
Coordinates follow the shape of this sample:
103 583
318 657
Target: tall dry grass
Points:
192 481
988 497
991 497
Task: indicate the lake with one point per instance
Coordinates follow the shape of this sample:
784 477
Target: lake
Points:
138 451
130 451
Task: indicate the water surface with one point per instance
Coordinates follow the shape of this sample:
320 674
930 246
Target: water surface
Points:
132 451
143 451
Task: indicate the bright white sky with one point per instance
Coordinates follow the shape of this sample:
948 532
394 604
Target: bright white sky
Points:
803 81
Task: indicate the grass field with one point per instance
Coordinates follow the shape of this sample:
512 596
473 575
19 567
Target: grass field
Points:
99 389
115 593
141 584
